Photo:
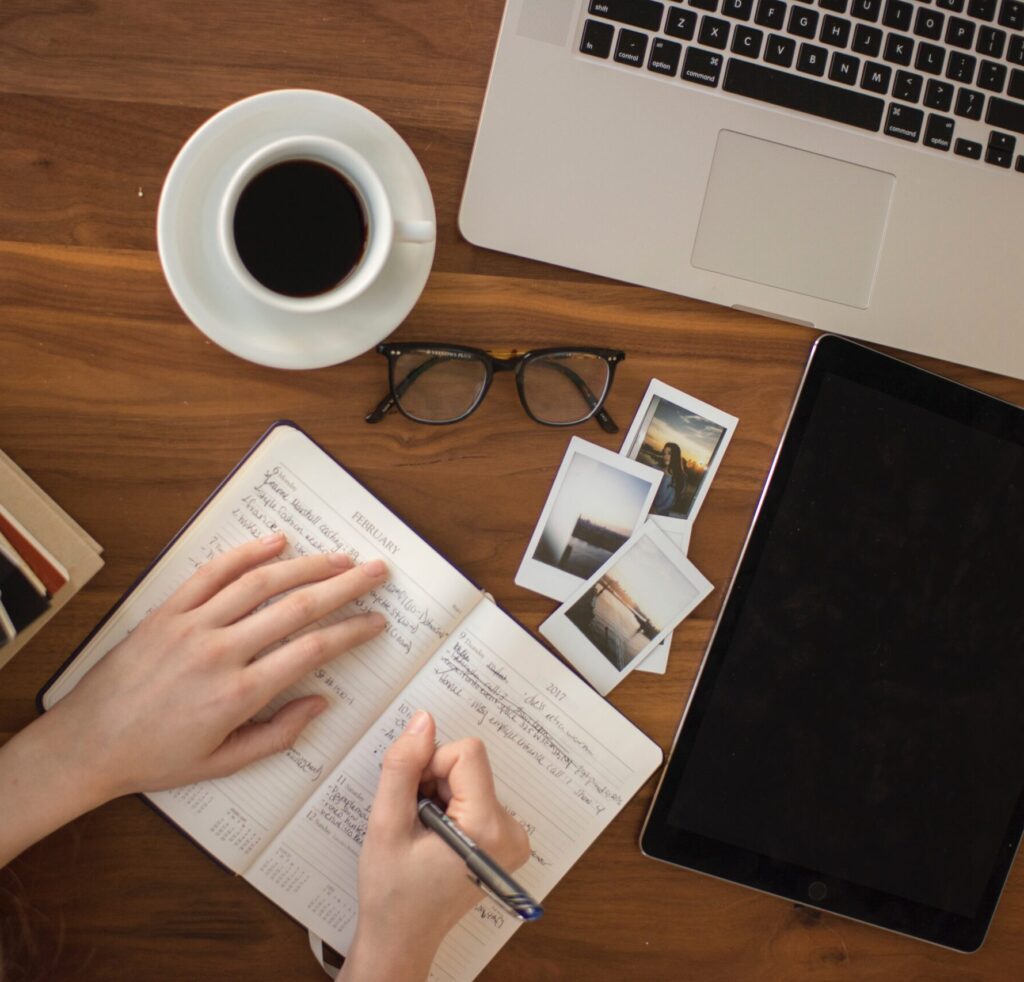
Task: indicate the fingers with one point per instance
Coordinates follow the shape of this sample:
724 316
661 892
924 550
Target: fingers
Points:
257 586
256 740
213 576
463 771
289 663
394 813
304 607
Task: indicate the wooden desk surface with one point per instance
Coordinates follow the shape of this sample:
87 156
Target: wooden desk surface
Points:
128 416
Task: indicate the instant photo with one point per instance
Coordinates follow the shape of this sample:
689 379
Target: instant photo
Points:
682 438
679 535
619 616
596 503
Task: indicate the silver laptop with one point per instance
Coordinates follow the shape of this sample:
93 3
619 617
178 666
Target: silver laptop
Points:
852 165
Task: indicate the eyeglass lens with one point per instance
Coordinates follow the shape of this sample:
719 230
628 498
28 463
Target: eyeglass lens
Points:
564 387
437 387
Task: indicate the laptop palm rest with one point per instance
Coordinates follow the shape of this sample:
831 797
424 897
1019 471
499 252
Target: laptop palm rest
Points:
791 219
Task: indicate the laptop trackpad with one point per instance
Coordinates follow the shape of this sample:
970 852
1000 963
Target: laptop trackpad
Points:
793 219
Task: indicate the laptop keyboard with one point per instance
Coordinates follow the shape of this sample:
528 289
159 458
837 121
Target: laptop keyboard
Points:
945 74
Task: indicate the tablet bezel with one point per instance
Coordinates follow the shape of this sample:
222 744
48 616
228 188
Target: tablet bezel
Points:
659 840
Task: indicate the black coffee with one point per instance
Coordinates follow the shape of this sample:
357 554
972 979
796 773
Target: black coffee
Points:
299 228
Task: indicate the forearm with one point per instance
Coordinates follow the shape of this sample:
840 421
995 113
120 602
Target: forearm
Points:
45 782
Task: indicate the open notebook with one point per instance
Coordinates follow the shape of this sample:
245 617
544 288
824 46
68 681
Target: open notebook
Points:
565 761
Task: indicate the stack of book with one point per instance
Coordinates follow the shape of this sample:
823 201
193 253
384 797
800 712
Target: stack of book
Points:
46 557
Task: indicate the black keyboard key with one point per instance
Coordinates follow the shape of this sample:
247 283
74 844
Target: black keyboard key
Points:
665 56
597 39
836 6
904 123
938 133
898 15
955 5
811 59
899 49
982 9
1005 114
930 58
938 95
960 67
803 22
967 148
1016 52
702 67
991 76
771 13
631 47
875 77
820 99
991 42
779 50
834 31
1002 141
907 86
969 104
960 32
636 13
746 41
1011 14
714 32
867 40
844 68
1016 87
998 157
711 5
740 9
866 9
681 23
929 23
1020 164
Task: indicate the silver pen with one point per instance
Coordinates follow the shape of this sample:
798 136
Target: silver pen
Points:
487 874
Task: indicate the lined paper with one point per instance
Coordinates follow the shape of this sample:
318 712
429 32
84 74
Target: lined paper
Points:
288 484
565 763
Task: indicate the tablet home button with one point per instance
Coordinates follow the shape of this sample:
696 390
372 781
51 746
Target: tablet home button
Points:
817 890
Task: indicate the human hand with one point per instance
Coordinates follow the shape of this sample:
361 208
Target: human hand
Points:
412 887
173 702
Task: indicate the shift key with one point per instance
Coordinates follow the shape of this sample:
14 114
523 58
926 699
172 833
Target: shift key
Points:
637 13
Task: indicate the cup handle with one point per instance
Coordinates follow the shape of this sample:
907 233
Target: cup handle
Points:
415 231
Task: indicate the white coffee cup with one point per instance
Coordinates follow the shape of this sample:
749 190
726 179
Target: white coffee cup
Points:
383 228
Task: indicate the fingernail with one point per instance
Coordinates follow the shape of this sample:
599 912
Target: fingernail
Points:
419 722
273 540
340 559
317 709
376 568
378 620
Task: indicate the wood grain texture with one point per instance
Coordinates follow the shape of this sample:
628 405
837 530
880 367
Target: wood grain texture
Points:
128 416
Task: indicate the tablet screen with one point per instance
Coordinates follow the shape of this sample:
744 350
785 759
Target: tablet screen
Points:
860 716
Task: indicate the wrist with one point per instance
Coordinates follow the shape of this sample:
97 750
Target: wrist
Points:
397 956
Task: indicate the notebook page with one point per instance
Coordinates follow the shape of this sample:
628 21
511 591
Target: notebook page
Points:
565 763
289 484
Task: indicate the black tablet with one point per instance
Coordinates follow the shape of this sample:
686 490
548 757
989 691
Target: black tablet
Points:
855 737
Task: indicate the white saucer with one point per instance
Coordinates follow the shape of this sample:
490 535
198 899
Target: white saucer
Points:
200 278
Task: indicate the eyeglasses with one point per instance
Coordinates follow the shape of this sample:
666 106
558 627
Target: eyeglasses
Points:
444 383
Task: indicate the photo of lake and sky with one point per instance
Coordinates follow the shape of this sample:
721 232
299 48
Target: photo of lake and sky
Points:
594 513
